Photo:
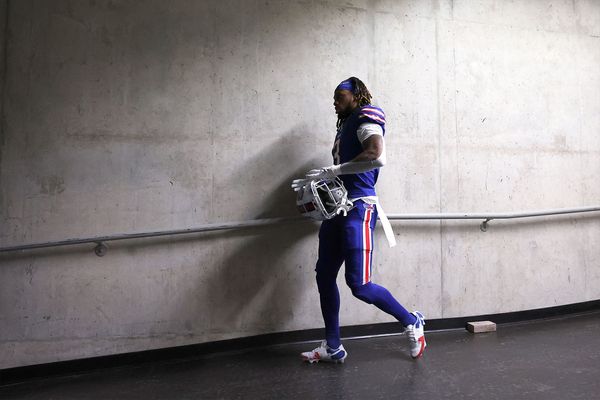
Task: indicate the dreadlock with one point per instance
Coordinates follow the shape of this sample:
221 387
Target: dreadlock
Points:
361 94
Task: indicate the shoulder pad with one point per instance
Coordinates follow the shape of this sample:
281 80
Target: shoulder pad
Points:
372 113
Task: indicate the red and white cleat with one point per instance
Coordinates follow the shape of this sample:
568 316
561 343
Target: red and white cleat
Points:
325 353
416 336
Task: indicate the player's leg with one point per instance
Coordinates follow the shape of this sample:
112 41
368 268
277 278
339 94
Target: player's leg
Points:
327 268
328 265
358 251
379 296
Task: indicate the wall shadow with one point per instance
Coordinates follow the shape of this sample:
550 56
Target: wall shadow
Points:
256 286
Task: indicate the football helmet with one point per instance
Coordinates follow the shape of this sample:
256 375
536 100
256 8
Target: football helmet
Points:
323 199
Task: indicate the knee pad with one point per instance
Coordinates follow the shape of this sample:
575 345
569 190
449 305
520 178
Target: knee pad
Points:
363 292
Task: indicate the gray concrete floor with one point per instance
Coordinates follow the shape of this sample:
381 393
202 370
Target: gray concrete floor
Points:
549 359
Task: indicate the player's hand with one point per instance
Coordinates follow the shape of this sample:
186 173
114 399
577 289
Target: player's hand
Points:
321 173
297 184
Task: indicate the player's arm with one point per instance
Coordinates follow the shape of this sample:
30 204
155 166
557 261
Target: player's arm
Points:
373 155
372 150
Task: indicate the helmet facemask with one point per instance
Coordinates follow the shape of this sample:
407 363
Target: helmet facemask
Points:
324 199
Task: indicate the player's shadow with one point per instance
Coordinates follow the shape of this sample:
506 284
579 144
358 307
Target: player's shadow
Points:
266 271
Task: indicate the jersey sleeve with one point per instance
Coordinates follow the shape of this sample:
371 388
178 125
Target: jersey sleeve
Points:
372 114
368 129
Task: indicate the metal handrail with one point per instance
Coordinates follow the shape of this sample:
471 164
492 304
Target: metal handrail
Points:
101 248
490 216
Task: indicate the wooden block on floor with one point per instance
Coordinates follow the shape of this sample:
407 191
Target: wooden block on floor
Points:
481 326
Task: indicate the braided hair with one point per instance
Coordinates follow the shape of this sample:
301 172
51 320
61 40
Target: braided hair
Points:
361 95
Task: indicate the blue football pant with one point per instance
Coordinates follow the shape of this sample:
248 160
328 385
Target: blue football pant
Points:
349 240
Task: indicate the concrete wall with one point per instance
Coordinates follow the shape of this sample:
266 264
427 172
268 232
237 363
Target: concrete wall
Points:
124 116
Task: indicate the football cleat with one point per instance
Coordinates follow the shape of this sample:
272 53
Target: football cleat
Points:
326 354
416 335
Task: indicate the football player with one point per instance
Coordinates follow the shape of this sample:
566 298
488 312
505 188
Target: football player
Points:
358 153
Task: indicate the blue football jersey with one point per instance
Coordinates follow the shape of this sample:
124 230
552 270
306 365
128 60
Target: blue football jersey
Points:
347 146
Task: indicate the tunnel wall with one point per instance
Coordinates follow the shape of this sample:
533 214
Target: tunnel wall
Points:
123 116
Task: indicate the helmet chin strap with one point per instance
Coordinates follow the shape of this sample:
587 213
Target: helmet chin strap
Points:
343 209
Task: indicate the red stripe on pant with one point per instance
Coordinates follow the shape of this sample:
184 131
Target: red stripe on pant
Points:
367 247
